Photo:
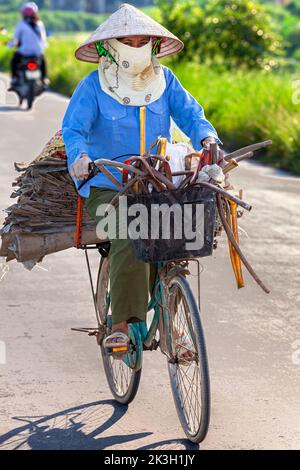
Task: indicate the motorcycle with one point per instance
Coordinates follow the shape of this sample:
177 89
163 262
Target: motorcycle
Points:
29 83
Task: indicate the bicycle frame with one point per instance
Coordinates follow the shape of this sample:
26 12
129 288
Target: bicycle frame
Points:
144 337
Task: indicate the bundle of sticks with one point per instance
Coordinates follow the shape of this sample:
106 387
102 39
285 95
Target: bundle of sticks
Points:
43 218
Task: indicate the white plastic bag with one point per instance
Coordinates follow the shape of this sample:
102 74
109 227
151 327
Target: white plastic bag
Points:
215 172
177 154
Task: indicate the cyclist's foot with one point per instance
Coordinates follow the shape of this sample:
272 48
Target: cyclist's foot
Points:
118 341
13 83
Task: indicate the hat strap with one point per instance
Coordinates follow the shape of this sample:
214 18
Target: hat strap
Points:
156 46
102 51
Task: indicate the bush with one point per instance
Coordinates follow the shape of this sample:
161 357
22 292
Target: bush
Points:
294 7
233 32
184 19
240 32
293 40
11 5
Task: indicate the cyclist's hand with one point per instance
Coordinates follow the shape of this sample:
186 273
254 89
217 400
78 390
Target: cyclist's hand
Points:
206 148
207 141
80 168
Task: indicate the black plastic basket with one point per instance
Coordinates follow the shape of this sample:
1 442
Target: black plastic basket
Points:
161 248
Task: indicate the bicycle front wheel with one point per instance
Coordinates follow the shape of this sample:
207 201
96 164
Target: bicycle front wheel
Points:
188 368
123 381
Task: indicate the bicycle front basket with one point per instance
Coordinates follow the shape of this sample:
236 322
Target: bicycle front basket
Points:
171 225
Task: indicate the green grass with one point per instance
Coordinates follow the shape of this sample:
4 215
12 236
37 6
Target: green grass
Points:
65 71
245 107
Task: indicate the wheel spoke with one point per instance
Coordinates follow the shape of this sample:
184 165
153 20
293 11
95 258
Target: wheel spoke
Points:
187 371
189 397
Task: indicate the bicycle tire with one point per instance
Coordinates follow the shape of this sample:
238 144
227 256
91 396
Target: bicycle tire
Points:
20 98
200 427
30 94
128 394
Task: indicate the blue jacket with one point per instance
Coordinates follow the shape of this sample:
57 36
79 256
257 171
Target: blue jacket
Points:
99 125
30 42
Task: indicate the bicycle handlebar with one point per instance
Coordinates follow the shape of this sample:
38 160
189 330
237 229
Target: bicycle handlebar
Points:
250 148
93 171
96 166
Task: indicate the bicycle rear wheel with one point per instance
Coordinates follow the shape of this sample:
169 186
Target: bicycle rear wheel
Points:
189 374
30 94
122 379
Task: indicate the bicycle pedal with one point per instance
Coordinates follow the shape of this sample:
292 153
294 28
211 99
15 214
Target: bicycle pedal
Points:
120 349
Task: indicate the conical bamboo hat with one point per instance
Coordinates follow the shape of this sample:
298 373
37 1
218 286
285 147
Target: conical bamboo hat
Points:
128 21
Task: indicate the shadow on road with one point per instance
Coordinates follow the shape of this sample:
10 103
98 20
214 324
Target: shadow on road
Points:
79 427
7 109
171 444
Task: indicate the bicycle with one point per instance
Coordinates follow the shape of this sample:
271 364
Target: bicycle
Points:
176 322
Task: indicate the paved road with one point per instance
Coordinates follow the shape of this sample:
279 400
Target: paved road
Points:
52 388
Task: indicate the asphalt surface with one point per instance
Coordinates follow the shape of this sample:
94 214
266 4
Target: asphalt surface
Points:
53 393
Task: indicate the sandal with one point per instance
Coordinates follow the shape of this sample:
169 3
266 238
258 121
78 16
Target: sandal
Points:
117 343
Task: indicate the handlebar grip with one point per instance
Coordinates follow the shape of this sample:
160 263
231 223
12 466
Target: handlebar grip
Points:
93 171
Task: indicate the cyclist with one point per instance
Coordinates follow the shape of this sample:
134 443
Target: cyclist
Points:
102 120
30 39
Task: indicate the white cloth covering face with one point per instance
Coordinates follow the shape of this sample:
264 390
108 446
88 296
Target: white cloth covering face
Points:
136 79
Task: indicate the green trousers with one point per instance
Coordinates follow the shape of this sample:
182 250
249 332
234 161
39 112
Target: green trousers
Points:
131 280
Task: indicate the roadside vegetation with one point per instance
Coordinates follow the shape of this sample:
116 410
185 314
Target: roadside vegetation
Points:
250 87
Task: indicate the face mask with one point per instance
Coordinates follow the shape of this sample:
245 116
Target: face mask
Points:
131 60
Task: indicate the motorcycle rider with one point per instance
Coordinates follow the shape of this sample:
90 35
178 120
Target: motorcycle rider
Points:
30 39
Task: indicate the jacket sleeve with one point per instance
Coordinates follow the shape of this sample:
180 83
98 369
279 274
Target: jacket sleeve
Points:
187 113
78 120
17 36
